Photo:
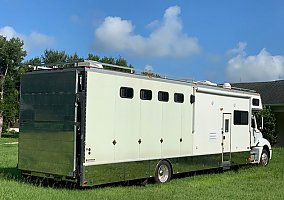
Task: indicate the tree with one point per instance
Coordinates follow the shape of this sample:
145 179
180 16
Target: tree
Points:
52 56
60 58
11 56
93 57
12 67
34 62
269 124
74 58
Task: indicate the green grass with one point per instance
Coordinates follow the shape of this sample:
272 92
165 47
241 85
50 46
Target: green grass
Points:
250 182
9 137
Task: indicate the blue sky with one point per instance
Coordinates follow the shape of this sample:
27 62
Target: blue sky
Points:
220 41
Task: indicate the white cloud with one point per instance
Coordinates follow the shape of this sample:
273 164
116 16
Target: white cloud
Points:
260 67
9 32
167 39
32 41
36 39
153 24
239 50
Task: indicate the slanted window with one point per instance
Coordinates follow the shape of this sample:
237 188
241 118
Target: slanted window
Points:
163 96
240 117
178 98
126 92
255 102
145 94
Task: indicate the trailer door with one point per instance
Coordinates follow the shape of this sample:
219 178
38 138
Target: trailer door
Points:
47 116
226 137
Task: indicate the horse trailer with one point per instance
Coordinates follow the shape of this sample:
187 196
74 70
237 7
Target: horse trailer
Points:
93 126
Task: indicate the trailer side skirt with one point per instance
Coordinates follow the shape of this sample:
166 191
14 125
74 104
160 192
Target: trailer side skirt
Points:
116 172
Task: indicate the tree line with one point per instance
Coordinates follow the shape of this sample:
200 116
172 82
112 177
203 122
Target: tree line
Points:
13 65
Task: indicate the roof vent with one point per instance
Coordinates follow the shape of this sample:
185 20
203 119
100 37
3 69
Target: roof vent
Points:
227 86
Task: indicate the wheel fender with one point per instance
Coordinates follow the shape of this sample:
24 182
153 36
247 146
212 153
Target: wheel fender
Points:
264 142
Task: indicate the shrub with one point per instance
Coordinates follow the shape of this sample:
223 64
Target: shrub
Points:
269 124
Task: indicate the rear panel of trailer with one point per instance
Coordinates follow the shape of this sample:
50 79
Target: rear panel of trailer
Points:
47 116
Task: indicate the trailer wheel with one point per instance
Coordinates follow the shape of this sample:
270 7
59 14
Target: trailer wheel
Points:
163 172
264 159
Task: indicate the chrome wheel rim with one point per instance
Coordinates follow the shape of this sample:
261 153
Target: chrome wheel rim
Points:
264 158
163 173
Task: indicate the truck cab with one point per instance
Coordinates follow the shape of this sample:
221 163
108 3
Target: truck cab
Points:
261 151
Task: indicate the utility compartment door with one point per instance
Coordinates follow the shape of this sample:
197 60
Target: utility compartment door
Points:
226 137
47 116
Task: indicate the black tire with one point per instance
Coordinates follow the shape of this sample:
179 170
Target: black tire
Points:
163 172
264 158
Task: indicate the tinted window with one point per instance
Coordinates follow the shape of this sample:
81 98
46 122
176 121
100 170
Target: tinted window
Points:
240 117
178 98
126 92
145 94
255 102
226 125
163 96
252 123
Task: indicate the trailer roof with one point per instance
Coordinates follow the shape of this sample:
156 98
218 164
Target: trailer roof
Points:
90 65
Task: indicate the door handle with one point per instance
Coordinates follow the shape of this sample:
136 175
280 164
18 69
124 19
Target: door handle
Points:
223 137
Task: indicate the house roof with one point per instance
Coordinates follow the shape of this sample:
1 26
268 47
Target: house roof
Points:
271 92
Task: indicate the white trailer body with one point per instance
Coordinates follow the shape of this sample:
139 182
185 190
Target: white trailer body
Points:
130 126
133 119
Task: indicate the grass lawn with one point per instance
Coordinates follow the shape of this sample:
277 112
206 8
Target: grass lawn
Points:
250 182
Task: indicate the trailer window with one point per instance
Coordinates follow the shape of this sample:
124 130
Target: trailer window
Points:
255 102
226 125
126 92
178 98
240 117
163 96
145 94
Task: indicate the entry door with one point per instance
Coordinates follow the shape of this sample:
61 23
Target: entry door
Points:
226 137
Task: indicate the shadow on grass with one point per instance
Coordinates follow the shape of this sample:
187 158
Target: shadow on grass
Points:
137 182
151 180
15 174
12 173
10 135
